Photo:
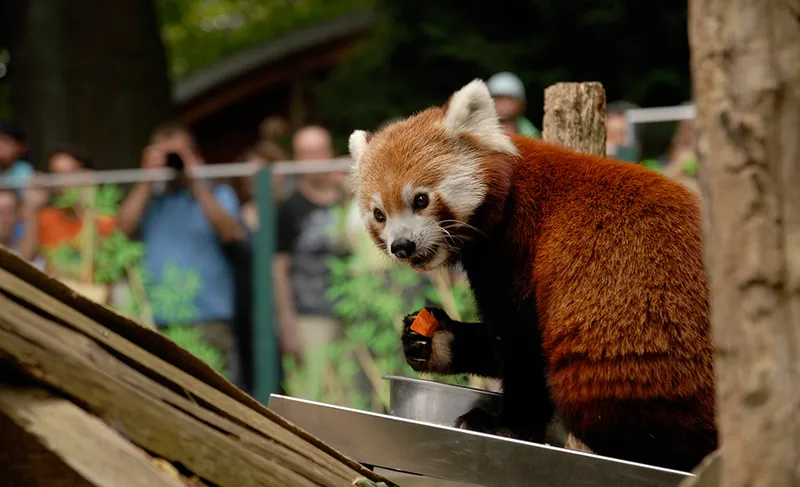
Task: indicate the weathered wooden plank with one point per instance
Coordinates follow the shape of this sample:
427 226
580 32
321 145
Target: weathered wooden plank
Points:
87 445
25 462
173 377
102 323
148 413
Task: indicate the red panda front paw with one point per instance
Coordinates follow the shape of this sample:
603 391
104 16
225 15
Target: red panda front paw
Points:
423 354
481 421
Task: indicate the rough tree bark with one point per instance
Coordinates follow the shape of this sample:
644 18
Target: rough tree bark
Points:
746 77
575 117
91 73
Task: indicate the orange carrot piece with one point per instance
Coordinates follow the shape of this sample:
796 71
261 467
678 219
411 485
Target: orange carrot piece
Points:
425 323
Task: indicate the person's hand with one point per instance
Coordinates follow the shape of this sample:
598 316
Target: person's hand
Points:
153 158
190 158
290 342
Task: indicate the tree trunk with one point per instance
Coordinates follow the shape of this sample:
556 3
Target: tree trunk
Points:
575 116
746 76
91 73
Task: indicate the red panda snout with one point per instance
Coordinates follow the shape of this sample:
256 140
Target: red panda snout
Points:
414 238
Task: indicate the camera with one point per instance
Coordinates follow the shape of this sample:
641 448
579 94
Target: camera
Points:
174 161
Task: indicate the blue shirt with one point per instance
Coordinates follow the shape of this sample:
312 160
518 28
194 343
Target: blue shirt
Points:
18 172
176 233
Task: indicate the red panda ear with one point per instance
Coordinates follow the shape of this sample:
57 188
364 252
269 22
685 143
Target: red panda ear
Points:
446 105
471 111
357 144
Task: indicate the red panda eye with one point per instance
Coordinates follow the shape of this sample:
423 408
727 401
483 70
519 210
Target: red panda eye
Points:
379 216
421 201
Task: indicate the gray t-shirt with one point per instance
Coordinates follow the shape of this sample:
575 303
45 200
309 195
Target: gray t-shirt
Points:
304 233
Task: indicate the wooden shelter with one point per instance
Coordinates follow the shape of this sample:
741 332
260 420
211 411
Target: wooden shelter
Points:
91 398
225 102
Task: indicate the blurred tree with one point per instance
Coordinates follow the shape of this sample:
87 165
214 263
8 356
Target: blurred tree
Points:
91 72
198 33
422 51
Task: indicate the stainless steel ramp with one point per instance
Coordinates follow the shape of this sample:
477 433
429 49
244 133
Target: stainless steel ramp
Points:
463 456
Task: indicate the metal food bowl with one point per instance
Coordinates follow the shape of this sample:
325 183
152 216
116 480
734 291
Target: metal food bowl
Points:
436 402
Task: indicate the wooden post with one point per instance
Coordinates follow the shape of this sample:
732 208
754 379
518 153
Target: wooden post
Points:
266 351
574 117
746 77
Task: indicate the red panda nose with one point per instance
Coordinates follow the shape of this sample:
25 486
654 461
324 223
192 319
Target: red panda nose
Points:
403 248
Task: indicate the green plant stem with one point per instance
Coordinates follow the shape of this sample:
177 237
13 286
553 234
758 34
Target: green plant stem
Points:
373 374
140 294
333 385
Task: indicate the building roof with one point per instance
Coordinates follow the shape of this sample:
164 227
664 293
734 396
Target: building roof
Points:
239 64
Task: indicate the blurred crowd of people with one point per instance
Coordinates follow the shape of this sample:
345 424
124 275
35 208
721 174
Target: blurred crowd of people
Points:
209 226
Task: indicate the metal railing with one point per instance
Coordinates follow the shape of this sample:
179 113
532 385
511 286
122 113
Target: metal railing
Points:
675 113
205 171
265 339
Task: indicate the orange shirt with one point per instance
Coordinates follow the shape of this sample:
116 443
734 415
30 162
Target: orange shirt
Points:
57 226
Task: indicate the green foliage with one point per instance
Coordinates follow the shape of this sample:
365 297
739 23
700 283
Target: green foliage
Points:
116 257
652 164
198 34
192 340
173 297
66 259
420 52
690 167
113 255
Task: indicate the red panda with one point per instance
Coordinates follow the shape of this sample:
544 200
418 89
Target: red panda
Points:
588 274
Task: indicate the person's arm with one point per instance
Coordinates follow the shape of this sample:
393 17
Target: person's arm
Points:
221 213
135 203
35 198
29 242
285 306
133 207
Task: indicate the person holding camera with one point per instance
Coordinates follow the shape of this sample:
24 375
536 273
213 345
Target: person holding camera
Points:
188 224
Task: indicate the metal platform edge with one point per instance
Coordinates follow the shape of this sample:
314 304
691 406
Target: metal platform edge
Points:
459 455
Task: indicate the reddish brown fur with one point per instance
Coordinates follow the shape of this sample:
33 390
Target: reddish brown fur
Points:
621 293
610 256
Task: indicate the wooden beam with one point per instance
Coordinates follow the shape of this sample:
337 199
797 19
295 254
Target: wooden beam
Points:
575 116
745 61
155 404
165 360
27 462
265 78
94 451
169 423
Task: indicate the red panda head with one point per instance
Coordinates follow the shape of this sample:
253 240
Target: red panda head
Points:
420 181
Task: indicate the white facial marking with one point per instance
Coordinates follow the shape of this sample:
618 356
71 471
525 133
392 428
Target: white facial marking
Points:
472 111
462 188
357 144
408 193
